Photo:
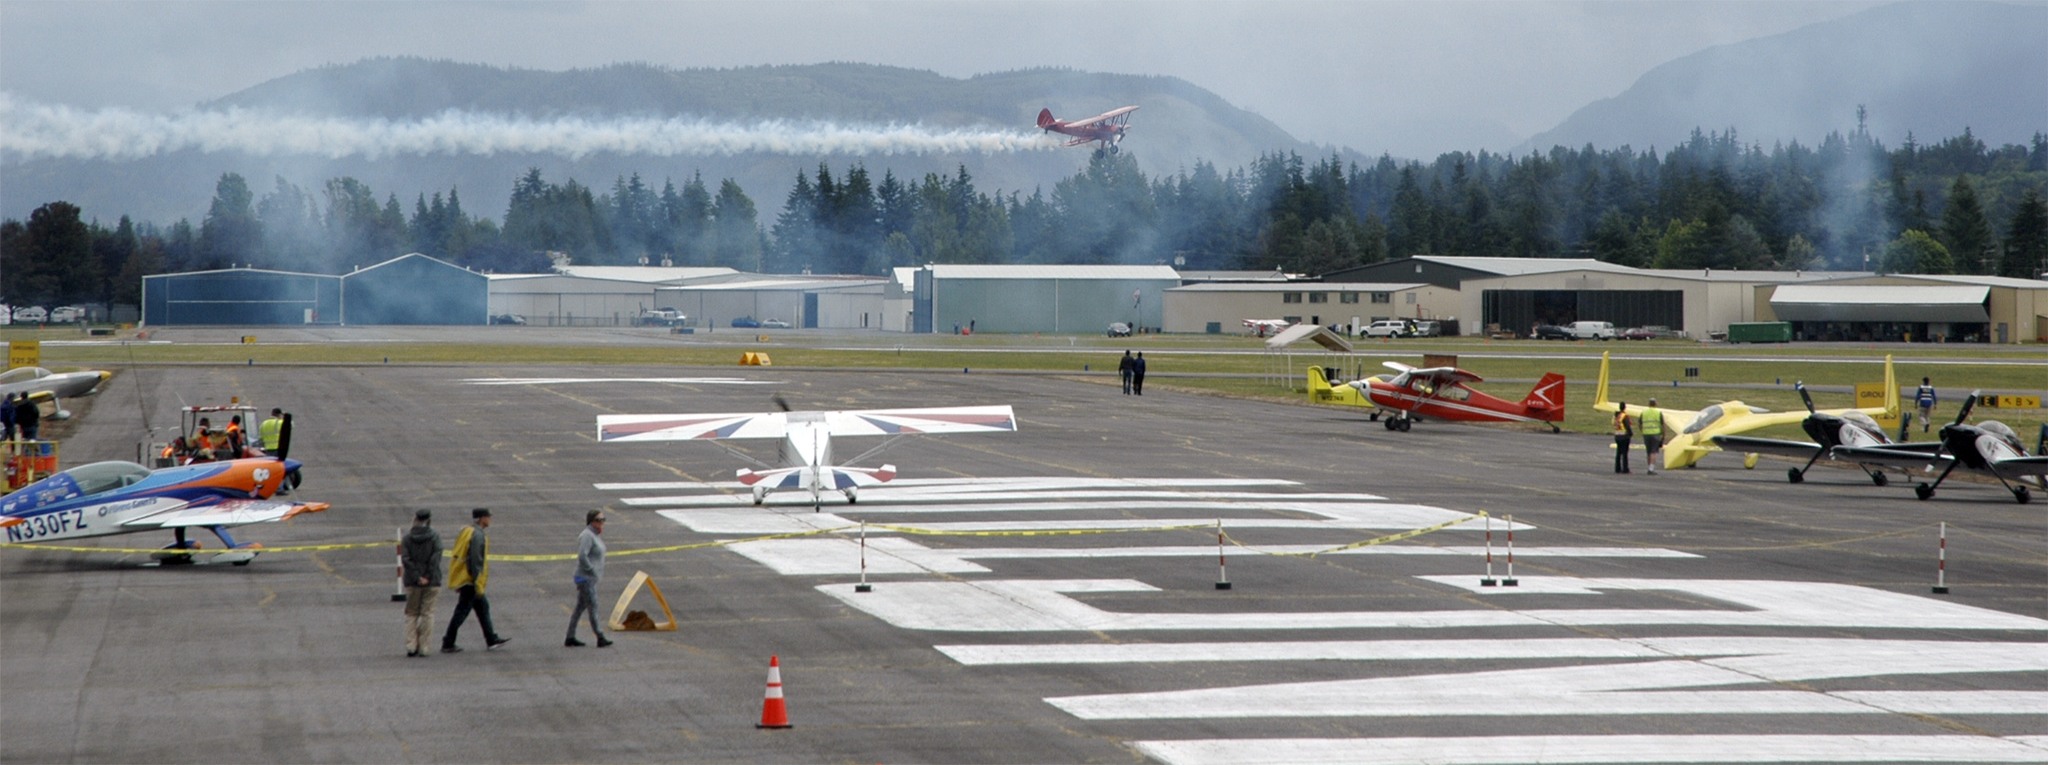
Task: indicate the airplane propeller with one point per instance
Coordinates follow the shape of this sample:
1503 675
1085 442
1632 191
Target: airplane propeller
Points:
1968 404
780 402
1804 396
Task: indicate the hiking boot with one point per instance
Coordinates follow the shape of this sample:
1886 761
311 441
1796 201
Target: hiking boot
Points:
603 642
572 643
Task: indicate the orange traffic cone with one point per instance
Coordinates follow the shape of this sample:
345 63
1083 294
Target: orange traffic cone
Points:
773 713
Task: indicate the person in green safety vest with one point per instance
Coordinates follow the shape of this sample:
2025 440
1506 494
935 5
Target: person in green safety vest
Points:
1652 420
270 428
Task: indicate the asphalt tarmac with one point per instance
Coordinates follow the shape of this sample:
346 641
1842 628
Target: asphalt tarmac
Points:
1715 613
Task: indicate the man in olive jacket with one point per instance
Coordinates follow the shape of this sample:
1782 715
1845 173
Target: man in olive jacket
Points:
467 577
420 556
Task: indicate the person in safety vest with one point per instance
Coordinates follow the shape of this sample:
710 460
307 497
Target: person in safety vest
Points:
1925 398
1652 420
235 438
1624 432
270 428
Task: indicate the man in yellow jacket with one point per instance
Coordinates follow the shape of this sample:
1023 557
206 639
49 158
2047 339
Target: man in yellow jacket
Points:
467 575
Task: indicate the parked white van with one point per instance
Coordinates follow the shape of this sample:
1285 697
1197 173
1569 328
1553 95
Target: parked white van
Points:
1591 330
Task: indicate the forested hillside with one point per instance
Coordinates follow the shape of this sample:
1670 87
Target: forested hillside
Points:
1951 206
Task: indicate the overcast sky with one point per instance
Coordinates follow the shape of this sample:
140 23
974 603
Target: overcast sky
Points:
1411 78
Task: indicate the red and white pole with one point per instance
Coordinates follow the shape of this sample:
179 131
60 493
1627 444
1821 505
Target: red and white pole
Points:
1510 581
1489 580
398 578
1941 563
863 586
1222 574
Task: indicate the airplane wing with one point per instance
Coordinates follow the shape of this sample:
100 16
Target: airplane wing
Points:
233 512
1908 459
1441 376
1746 444
874 422
1111 114
2015 468
1079 141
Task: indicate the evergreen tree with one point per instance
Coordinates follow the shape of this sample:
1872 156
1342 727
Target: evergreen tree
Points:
2026 249
796 233
231 233
1965 231
736 240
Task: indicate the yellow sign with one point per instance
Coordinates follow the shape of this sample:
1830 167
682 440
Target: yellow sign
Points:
24 353
247 339
1871 396
2009 401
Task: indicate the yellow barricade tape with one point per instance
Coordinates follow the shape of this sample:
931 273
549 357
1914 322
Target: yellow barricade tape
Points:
1410 534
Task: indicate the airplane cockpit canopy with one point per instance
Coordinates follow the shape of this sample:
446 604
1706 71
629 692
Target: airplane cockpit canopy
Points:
23 374
1862 420
1707 417
2003 431
105 476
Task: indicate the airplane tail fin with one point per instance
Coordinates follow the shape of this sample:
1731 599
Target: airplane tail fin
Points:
1546 400
1600 388
1317 382
1045 119
1891 390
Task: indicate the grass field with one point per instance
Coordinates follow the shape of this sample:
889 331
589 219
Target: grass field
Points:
1233 365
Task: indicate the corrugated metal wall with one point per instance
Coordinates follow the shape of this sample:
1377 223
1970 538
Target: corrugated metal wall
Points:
415 289
240 297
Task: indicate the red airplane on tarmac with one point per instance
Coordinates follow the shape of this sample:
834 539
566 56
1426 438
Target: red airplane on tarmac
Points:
1107 128
1442 393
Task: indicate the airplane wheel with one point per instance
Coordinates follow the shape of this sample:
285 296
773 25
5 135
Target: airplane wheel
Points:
1879 479
759 495
297 479
1793 475
850 498
2021 494
1404 425
1389 422
1749 461
1923 491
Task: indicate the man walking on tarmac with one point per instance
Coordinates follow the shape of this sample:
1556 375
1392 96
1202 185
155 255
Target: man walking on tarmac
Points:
1925 398
1652 420
1624 432
589 569
1124 369
467 577
420 555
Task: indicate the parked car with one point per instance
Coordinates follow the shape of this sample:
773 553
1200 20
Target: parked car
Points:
1389 328
1591 330
1119 329
1551 332
1647 333
31 315
508 318
775 324
661 317
1428 329
66 314
746 322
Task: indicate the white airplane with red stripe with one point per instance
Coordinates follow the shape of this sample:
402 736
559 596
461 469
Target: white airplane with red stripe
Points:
806 440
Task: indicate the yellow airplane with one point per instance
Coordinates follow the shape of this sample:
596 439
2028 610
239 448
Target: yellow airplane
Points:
1320 391
1688 434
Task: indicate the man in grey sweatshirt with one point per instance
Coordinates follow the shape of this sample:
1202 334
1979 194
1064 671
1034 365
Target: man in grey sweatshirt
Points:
589 569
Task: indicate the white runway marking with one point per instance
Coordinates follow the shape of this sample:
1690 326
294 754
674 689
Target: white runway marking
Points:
574 380
1044 606
751 520
1636 688
1431 650
888 499
1022 483
893 555
1596 750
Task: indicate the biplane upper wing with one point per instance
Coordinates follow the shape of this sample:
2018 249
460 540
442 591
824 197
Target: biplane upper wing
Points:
872 422
1108 115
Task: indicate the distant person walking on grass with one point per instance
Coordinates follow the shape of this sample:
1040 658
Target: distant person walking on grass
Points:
1925 398
589 569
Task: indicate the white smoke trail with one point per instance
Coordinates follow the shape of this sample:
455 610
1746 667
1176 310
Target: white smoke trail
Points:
31 131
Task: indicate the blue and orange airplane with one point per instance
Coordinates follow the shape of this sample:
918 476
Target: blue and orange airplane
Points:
104 498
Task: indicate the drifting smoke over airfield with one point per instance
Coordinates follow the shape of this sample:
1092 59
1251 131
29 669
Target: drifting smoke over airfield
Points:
37 131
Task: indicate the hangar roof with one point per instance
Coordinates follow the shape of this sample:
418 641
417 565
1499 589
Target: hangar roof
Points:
647 274
956 271
1520 266
1844 302
1760 277
793 285
1299 287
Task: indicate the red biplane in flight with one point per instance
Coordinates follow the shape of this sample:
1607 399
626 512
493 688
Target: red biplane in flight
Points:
1107 128
1442 393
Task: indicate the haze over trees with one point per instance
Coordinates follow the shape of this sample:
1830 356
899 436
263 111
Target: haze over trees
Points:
1711 202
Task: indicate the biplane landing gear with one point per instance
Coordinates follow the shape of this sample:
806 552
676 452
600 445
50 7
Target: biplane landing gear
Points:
1923 491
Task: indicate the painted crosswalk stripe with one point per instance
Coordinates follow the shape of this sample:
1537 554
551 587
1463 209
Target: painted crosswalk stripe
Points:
895 555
